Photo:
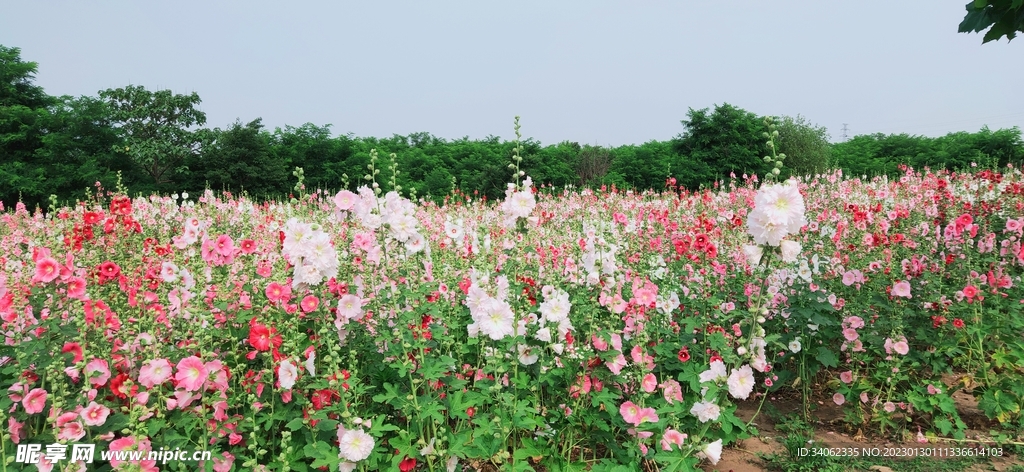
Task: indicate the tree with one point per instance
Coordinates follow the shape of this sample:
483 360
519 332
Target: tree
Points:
156 128
1000 17
77 147
729 140
805 145
593 164
239 158
22 113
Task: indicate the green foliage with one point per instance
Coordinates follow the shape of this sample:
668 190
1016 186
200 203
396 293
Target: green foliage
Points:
727 141
1000 17
155 128
879 154
239 158
805 145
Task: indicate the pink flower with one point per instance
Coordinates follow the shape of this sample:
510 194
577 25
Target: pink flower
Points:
850 334
95 414
225 245
599 343
901 289
223 465
630 413
846 377
34 401
47 269
71 431
649 383
309 303
191 373
14 427
98 372
889 407
839 398
932 390
76 288
672 391
278 293
155 373
647 415
671 437
901 347
617 364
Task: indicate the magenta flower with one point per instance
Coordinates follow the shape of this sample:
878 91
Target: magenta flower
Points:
47 269
34 401
191 373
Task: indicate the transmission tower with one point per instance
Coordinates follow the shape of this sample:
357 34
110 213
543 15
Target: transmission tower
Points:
844 131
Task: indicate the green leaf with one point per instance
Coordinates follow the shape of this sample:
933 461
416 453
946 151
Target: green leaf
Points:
295 424
826 357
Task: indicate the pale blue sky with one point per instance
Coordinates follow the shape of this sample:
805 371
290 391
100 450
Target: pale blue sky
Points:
596 72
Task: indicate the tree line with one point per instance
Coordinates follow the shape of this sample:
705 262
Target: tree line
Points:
156 141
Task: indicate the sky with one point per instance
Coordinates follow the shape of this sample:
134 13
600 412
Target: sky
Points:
590 71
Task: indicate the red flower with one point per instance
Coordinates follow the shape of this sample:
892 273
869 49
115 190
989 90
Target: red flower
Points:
407 464
109 270
958 323
92 217
261 337
75 349
120 390
684 354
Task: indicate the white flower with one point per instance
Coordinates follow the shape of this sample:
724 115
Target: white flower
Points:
716 373
356 445
741 382
712 452
496 321
753 254
526 355
169 271
350 307
794 346
287 374
311 363
556 308
790 250
543 335
706 411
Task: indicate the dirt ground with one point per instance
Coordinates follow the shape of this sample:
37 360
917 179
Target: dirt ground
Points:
832 432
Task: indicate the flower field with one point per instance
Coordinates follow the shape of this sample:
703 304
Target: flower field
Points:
575 330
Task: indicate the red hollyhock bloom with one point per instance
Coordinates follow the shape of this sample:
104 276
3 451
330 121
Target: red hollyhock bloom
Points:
684 354
262 338
407 464
120 389
957 322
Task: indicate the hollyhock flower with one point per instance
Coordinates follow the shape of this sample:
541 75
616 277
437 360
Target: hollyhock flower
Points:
496 323
672 391
599 343
154 373
846 377
649 383
741 382
705 411
263 338
527 355
47 269
287 374
790 250
95 414
74 349
630 413
71 431
34 401
191 374
901 289
901 347
712 452
97 372
794 346
310 363
671 437
223 463
350 307
753 254
716 373
109 270
647 415
355 444
616 364
839 398
76 288
309 303
278 293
